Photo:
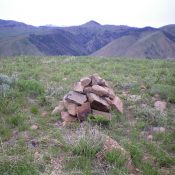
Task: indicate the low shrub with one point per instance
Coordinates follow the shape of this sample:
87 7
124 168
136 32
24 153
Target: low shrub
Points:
6 83
165 91
151 116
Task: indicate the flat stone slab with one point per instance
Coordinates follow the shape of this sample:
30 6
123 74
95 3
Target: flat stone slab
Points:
100 91
58 108
117 104
83 111
106 115
78 87
85 81
72 109
98 103
103 91
96 79
76 97
67 118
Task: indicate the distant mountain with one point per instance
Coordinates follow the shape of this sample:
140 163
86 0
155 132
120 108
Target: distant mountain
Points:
151 45
91 38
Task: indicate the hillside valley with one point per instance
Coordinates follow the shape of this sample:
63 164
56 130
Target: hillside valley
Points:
91 38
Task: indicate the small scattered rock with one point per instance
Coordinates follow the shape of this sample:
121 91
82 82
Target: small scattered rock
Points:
34 142
143 87
160 105
158 129
134 98
34 127
150 137
44 114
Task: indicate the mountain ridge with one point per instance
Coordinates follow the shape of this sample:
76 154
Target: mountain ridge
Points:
91 38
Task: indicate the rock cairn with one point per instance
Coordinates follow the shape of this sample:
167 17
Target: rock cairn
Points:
91 95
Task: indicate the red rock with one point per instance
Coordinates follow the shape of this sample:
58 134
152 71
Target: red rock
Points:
85 81
98 103
106 115
96 79
160 105
158 129
150 137
58 108
143 87
83 111
78 87
88 89
111 144
111 93
67 118
100 91
108 100
103 83
117 104
76 97
72 109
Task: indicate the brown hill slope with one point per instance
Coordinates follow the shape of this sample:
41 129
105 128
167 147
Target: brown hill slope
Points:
150 45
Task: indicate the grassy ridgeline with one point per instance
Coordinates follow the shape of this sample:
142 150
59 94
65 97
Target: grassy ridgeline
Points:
40 82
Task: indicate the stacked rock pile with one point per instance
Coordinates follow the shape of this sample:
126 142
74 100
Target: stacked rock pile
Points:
91 95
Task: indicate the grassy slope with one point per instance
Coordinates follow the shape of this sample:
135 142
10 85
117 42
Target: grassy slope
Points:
48 149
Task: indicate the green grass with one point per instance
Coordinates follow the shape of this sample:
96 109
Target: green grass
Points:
20 167
100 120
34 110
116 157
43 81
86 148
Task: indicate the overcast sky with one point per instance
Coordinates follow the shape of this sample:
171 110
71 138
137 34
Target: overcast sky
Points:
138 13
